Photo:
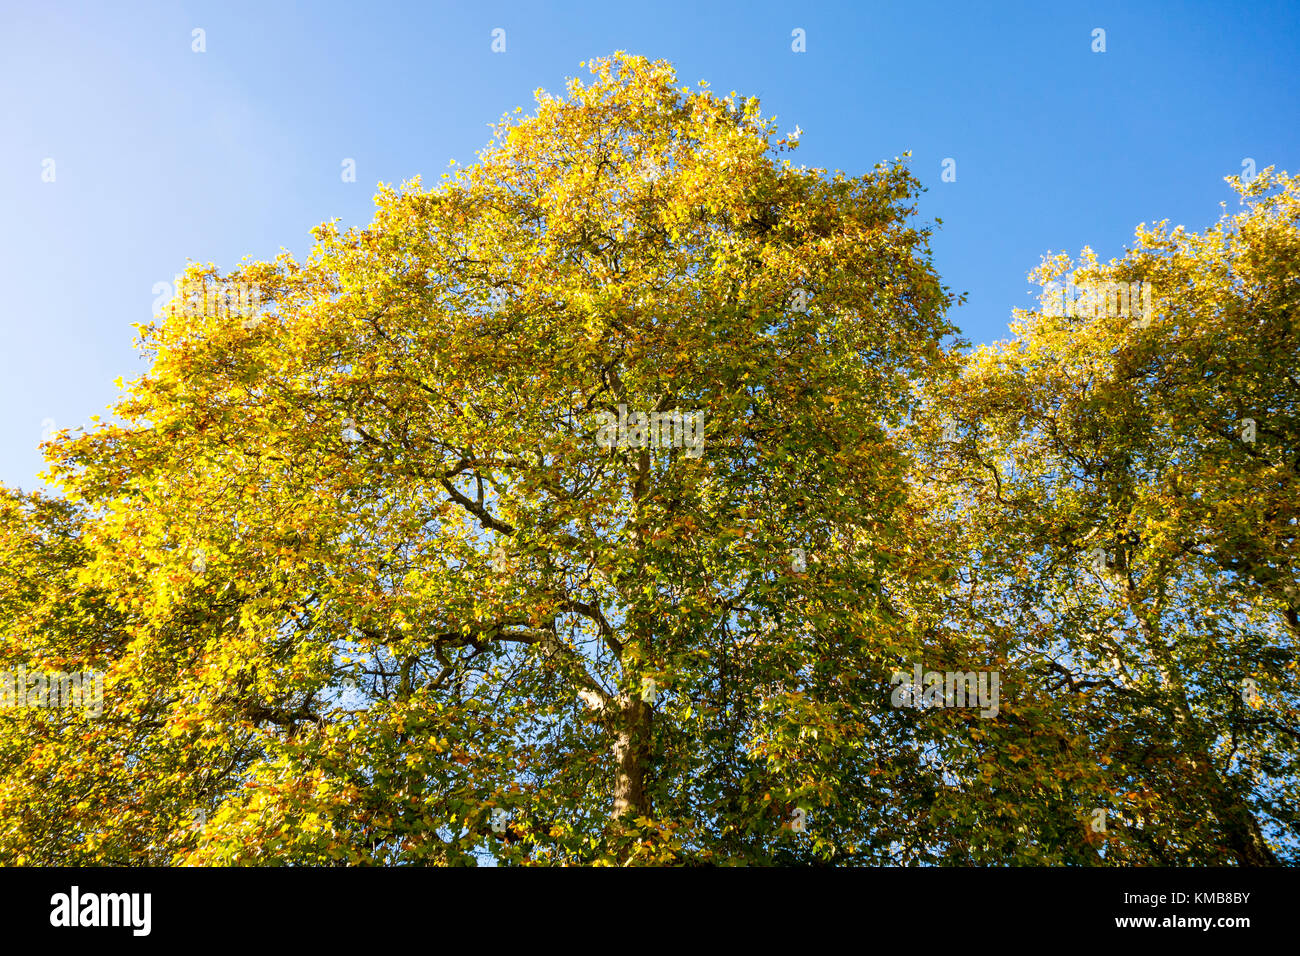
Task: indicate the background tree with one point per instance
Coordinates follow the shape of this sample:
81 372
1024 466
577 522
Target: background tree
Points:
68 787
1122 488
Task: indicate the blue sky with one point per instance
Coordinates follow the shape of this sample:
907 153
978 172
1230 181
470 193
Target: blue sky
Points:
163 155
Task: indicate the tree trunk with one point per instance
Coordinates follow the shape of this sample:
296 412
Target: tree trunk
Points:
1244 836
1240 828
632 757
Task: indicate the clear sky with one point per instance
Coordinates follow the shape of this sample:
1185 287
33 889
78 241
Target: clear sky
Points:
163 155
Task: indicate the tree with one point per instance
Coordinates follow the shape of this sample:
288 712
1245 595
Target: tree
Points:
397 574
51 625
1122 488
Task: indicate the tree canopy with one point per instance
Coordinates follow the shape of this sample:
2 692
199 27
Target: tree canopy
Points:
585 507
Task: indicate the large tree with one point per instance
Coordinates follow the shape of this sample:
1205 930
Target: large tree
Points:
387 586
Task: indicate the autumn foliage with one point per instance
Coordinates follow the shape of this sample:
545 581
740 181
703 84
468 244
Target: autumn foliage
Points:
368 588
